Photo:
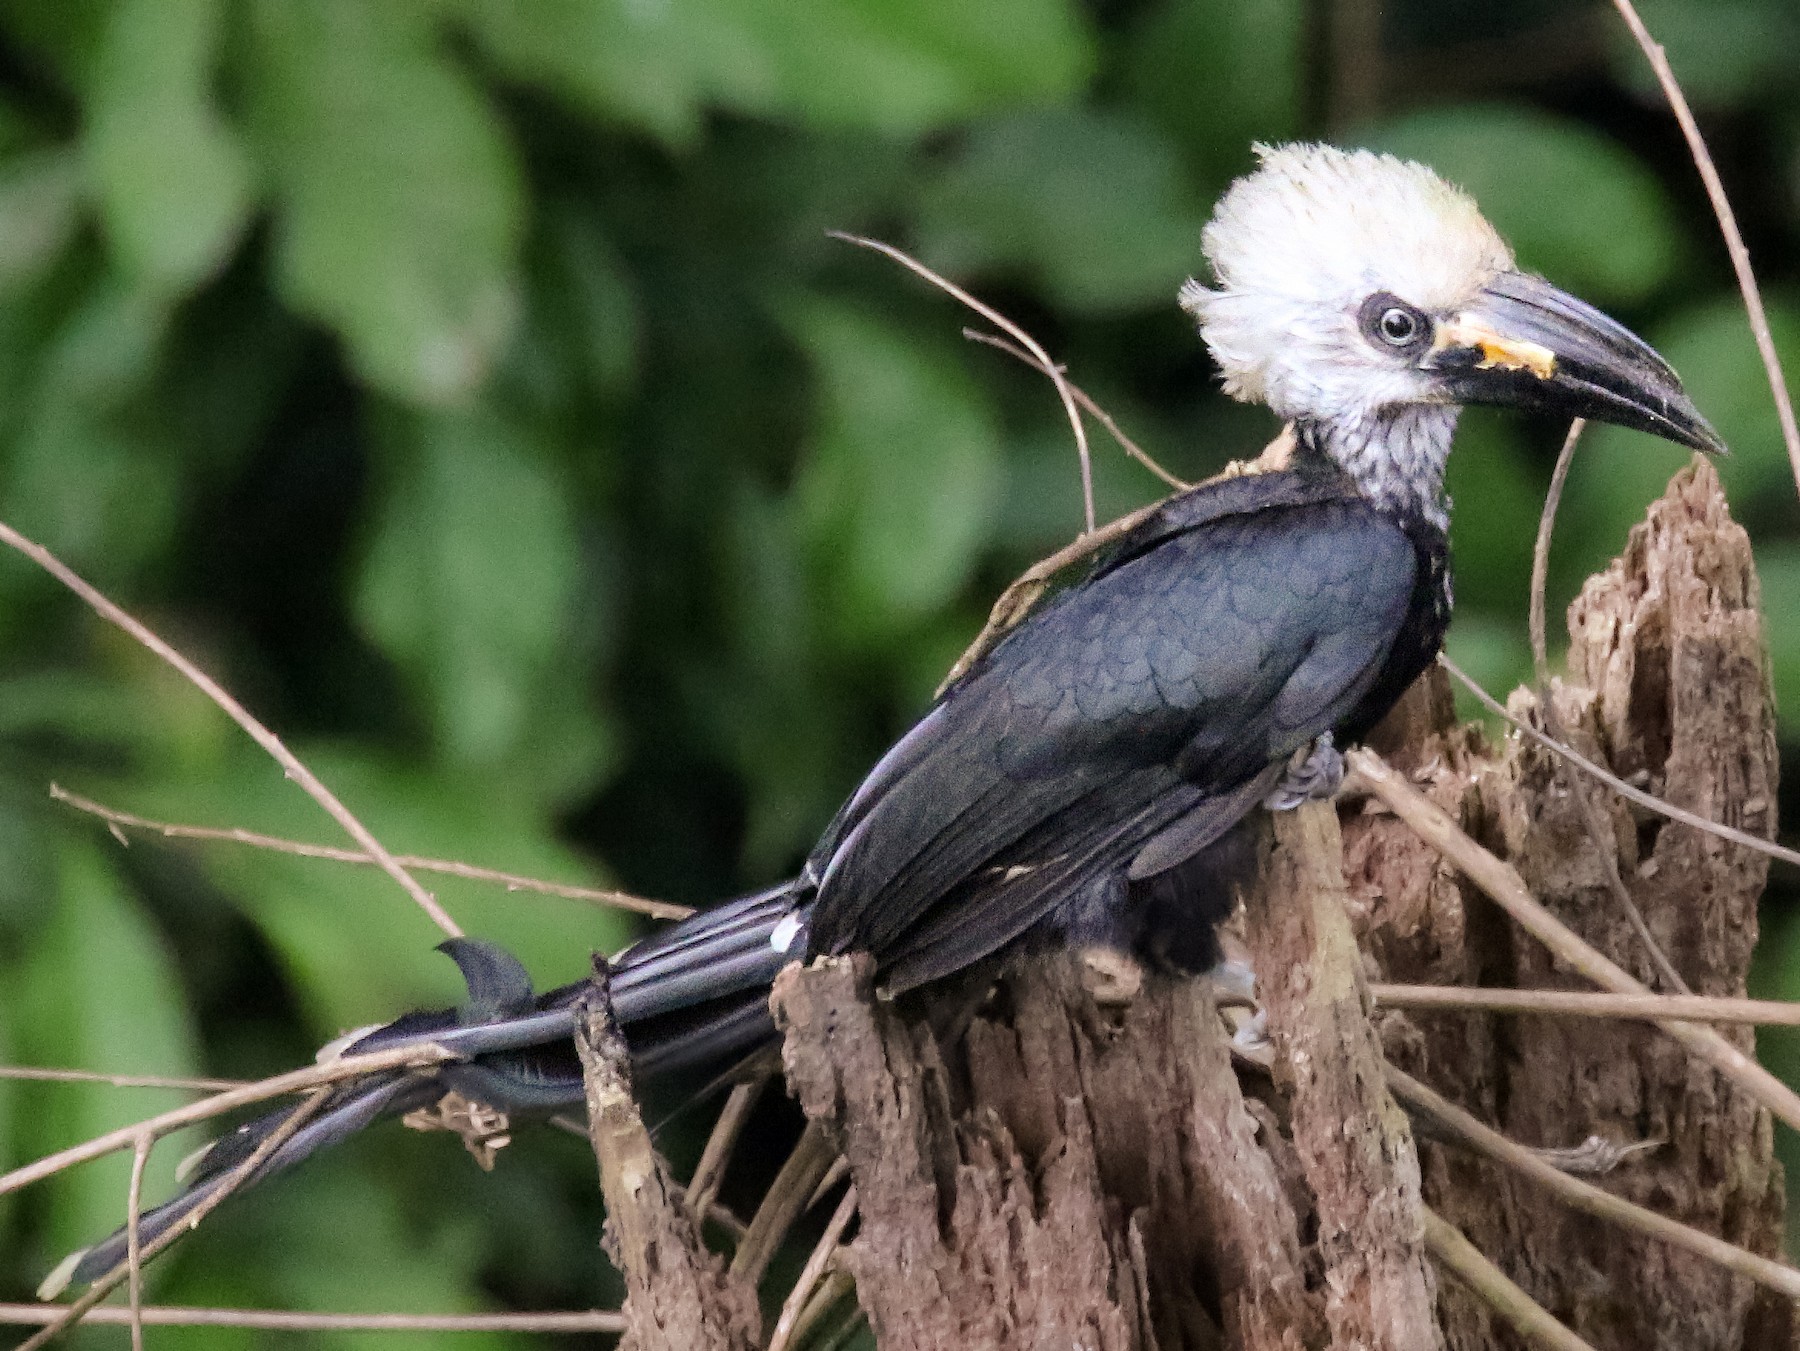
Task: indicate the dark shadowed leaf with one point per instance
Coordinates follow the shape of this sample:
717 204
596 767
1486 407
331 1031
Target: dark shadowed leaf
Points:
400 202
1218 75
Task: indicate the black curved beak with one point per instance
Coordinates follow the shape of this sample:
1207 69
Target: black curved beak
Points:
1526 344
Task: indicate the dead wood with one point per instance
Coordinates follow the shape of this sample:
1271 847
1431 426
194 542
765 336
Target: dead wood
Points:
1667 681
1062 1173
1353 1141
679 1296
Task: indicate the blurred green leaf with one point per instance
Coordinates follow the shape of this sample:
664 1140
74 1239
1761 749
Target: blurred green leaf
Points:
1094 207
1722 51
1492 535
356 946
899 476
1778 565
1617 473
171 179
1574 205
894 64
897 64
97 992
470 577
637 63
39 198
1219 75
401 208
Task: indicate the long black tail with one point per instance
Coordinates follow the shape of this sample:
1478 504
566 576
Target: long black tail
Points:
692 999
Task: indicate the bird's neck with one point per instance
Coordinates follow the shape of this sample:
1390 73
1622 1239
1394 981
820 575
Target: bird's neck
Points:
1395 456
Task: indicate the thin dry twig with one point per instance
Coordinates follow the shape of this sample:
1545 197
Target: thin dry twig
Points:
134 1247
703 1186
275 1320
1450 1119
837 1287
1598 830
1583 1004
106 1284
1463 1260
1503 884
1649 801
1094 410
295 1081
1728 227
1018 334
823 1252
62 1076
289 762
172 830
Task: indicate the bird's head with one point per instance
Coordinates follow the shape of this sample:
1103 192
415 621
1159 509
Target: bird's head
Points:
1351 285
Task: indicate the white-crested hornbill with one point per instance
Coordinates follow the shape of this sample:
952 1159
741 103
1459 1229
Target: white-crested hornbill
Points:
1080 783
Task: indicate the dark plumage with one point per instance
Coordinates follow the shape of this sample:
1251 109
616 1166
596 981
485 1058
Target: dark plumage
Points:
1081 782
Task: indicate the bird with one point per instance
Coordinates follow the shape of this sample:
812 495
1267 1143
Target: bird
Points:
1089 780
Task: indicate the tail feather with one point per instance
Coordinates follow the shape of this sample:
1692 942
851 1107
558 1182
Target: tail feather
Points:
691 998
356 1106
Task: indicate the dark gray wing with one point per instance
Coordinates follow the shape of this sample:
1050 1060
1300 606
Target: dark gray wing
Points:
1169 678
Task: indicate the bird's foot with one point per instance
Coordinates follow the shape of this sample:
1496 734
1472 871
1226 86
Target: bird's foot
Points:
1250 1040
1111 978
1315 771
1233 983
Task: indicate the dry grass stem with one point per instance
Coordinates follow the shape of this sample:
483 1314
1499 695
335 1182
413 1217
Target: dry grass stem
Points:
1449 1119
62 1076
275 1320
1498 879
1582 1004
134 1249
703 1186
1019 335
106 1284
172 830
295 1081
1094 410
1649 801
810 1275
1734 240
289 762
1598 830
1456 1255
833 1290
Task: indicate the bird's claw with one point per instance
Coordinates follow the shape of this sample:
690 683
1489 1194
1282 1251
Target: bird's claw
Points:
1315 771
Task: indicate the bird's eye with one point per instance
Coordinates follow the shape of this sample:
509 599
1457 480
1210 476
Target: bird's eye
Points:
1398 326
1391 322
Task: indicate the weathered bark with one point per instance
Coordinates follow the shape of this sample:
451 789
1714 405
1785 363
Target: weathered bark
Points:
1667 681
1062 1173
1354 1143
679 1296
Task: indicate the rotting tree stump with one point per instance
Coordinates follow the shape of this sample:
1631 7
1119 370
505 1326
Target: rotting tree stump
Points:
1060 1173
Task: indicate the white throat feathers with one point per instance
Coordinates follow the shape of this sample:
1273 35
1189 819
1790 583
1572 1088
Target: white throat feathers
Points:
1395 456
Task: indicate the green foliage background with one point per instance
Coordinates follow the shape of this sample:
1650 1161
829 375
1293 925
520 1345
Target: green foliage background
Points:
471 386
